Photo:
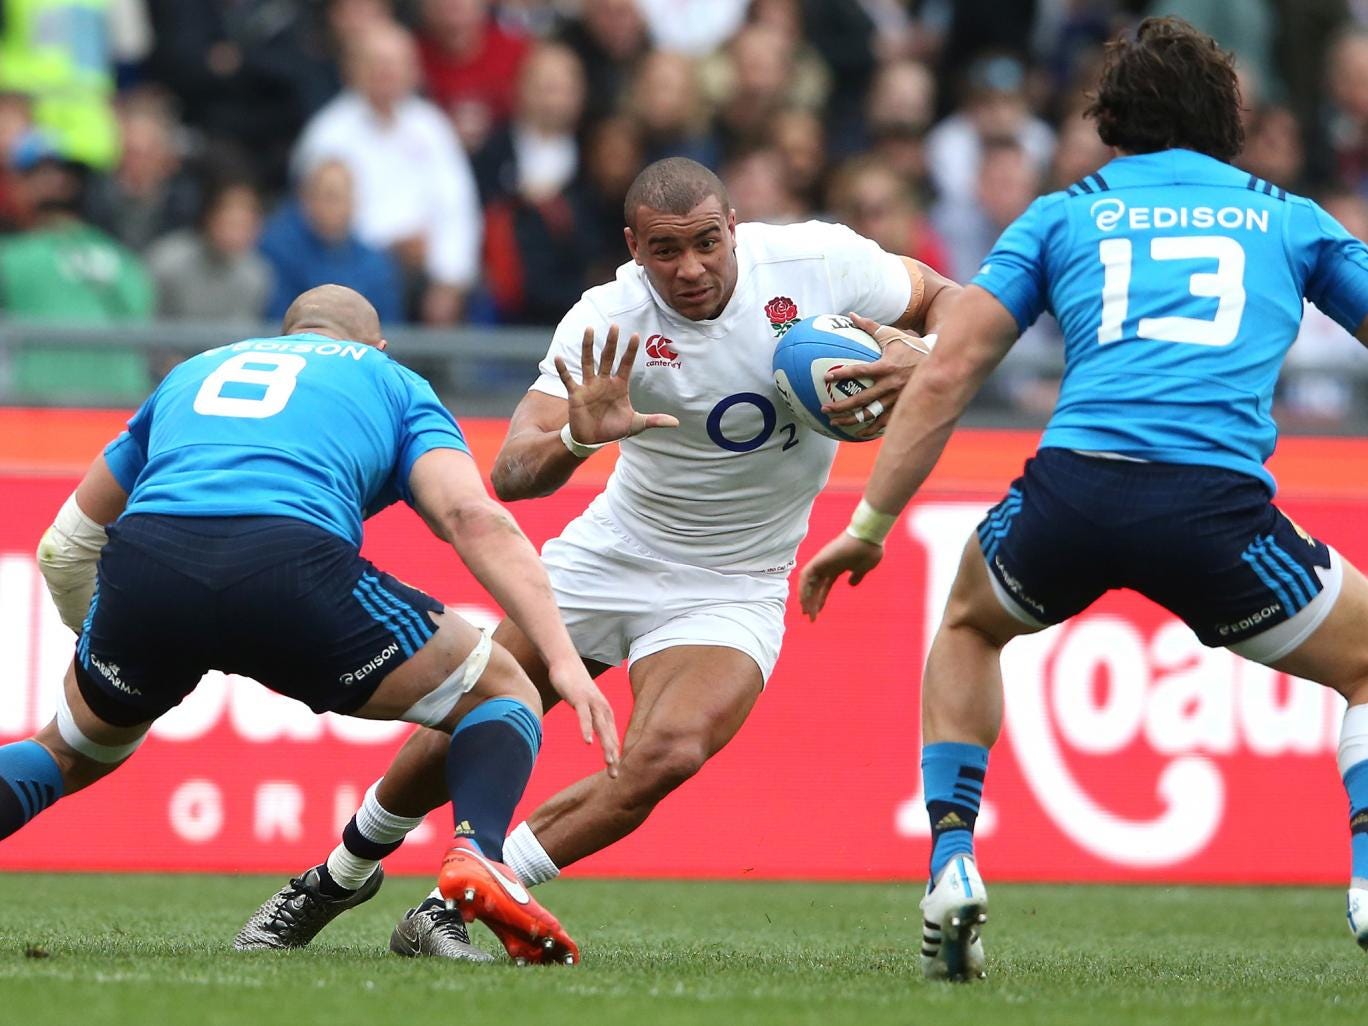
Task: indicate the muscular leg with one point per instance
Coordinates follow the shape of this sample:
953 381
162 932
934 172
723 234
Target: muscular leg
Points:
962 685
414 783
688 703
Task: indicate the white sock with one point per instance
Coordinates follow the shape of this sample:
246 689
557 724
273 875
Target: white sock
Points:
524 855
375 823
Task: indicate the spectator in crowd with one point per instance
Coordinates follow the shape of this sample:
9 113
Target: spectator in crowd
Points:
538 244
797 136
845 36
1079 151
868 195
58 267
1315 391
309 241
16 122
213 270
1005 184
613 155
470 66
63 62
1345 119
609 37
149 193
761 80
1273 147
759 189
692 27
995 108
415 193
247 72
1247 29
898 113
536 152
666 101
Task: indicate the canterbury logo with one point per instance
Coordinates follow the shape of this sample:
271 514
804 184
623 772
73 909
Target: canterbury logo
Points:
658 347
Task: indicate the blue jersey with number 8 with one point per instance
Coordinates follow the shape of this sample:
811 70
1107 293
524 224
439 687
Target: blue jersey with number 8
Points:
1178 283
301 426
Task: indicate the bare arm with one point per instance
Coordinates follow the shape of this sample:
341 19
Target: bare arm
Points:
932 296
535 459
450 496
973 342
70 549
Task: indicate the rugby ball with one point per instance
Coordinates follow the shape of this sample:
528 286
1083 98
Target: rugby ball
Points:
802 358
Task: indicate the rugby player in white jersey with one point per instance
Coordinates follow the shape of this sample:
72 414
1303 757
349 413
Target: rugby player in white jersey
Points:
681 565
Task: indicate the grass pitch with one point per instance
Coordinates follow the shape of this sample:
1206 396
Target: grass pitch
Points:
94 950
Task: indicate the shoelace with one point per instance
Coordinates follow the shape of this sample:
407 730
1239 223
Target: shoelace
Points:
304 904
447 922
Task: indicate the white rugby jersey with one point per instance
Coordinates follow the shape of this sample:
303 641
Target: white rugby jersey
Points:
732 486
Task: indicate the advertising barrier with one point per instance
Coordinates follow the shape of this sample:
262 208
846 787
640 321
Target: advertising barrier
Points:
1130 752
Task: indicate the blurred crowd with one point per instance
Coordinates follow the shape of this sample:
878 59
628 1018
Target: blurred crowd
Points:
465 161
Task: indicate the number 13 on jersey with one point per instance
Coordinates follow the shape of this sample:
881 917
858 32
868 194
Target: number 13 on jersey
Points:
1225 284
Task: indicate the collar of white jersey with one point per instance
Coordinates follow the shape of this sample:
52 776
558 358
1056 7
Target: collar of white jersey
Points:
713 327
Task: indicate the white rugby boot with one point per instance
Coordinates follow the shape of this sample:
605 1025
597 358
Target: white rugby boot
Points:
953 912
1356 911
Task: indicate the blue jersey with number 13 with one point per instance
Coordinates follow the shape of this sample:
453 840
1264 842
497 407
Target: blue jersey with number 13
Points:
301 426
1178 282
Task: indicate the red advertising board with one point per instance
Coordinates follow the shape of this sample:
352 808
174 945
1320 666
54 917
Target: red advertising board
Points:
1130 752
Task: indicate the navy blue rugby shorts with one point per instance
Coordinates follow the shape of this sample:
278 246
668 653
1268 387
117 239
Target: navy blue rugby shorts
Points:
272 598
1205 543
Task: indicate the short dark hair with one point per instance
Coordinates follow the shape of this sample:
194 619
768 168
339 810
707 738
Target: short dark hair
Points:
674 185
1170 86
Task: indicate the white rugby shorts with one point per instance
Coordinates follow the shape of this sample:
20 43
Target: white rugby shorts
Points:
620 601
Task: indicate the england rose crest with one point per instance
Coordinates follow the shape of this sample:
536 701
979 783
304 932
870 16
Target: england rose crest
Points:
782 313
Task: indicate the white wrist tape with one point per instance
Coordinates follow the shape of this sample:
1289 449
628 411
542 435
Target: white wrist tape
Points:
867 524
578 448
67 555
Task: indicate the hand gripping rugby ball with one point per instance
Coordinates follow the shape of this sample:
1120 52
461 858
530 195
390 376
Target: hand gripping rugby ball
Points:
802 358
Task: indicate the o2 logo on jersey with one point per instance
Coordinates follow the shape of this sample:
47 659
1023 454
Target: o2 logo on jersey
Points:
1107 213
660 352
769 417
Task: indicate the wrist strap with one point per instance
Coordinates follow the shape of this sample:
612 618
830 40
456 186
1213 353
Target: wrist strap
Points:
578 448
867 524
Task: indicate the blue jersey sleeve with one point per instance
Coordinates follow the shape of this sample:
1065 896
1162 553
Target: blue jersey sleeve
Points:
425 424
127 454
1335 262
1014 272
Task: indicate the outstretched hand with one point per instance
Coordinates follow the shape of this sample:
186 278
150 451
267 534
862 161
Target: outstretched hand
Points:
601 405
843 554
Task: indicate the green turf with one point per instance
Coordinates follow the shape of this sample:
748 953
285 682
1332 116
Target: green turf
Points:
155 950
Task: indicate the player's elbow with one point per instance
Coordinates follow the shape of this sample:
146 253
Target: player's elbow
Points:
514 478
472 523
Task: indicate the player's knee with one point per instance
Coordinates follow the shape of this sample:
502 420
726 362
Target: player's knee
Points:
504 678
658 765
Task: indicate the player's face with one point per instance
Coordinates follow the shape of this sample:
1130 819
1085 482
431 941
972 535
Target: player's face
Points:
690 258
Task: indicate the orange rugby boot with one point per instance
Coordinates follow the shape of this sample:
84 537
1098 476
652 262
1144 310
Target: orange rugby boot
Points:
491 892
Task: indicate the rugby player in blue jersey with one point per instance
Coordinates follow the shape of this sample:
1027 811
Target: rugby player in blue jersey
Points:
1178 282
246 477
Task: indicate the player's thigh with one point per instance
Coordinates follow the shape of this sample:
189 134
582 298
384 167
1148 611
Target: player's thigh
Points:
456 669
978 603
510 636
85 746
1336 652
693 697
1035 559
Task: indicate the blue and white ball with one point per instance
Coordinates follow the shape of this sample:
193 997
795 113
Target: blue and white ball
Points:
802 358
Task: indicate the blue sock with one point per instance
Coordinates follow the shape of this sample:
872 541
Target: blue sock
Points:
29 782
1356 783
492 753
952 779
